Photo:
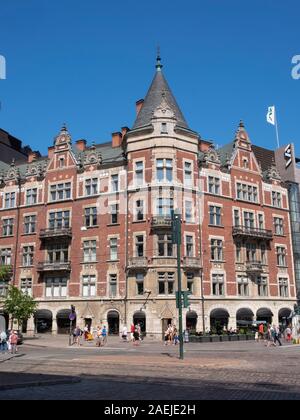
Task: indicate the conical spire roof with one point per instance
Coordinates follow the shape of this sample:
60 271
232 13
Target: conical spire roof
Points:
159 89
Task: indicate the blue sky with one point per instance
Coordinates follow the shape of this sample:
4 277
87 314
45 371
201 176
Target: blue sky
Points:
86 63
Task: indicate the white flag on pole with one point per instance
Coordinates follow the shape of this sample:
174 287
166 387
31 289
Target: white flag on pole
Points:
271 115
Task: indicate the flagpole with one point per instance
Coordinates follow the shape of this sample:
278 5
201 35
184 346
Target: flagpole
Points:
277 133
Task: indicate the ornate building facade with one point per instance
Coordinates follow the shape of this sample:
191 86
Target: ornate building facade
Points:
90 226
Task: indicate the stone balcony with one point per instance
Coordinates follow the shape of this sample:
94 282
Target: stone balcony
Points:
137 263
46 266
254 267
161 222
63 233
250 232
192 263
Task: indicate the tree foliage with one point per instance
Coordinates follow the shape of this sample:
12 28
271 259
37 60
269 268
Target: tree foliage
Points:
19 305
5 272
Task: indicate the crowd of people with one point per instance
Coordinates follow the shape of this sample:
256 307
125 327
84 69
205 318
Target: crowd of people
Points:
271 335
9 342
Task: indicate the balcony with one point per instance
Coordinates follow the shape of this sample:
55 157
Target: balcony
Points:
137 263
164 261
161 222
254 267
193 263
47 266
64 233
249 232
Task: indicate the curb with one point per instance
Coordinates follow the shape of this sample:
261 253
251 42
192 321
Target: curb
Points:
40 383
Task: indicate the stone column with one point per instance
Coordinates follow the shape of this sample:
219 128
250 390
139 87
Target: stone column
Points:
30 327
232 322
54 326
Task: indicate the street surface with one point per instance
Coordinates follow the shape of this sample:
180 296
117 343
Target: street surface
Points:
47 368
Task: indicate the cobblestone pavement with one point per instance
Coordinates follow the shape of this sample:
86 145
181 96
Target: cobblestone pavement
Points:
152 371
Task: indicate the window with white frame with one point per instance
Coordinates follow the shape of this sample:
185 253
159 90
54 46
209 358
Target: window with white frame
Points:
115 183
90 216
59 220
89 285
190 278
61 191
165 245
189 246
10 200
238 252
139 280
283 287
31 196
113 247
188 207
215 215
139 210
27 256
247 192
139 246
139 173
91 186
164 170
261 221
276 199
56 287
30 224
218 284
166 283
164 206
279 226
113 281
249 222
5 256
214 185
243 286
251 252
216 246
188 174
281 256
58 253
26 286
164 128
262 286
89 251
7 227
114 211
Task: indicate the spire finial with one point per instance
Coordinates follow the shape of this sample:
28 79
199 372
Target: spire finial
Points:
242 125
158 66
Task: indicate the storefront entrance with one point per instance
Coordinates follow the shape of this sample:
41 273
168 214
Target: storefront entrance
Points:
165 323
113 321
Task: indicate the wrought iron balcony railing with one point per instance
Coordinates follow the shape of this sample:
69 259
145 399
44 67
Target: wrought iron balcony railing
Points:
56 233
244 231
158 222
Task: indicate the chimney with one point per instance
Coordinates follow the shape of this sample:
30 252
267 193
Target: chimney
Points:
139 105
124 131
51 152
81 145
32 156
116 139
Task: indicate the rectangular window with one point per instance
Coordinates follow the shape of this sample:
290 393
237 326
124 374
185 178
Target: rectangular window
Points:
215 215
58 253
262 286
31 196
263 252
216 249
188 211
283 287
251 251
113 245
165 245
243 286
91 186
139 246
261 221
10 200
164 206
89 251
30 224
56 287
114 214
247 192
28 254
190 282
26 286
88 286
237 220
214 185
238 252
59 220
8 227
281 256
113 285
3 288
249 222
279 226
115 183
166 283
164 170
164 128
5 256
59 192
188 174
140 210
218 284
276 199
90 215
189 246
139 284
139 173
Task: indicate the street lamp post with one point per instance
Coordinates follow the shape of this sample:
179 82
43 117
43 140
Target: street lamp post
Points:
72 318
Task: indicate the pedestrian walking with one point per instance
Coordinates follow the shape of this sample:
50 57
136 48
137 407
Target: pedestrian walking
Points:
78 335
3 342
288 334
277 335
125 333
104 335
13 339
132 329
136 337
